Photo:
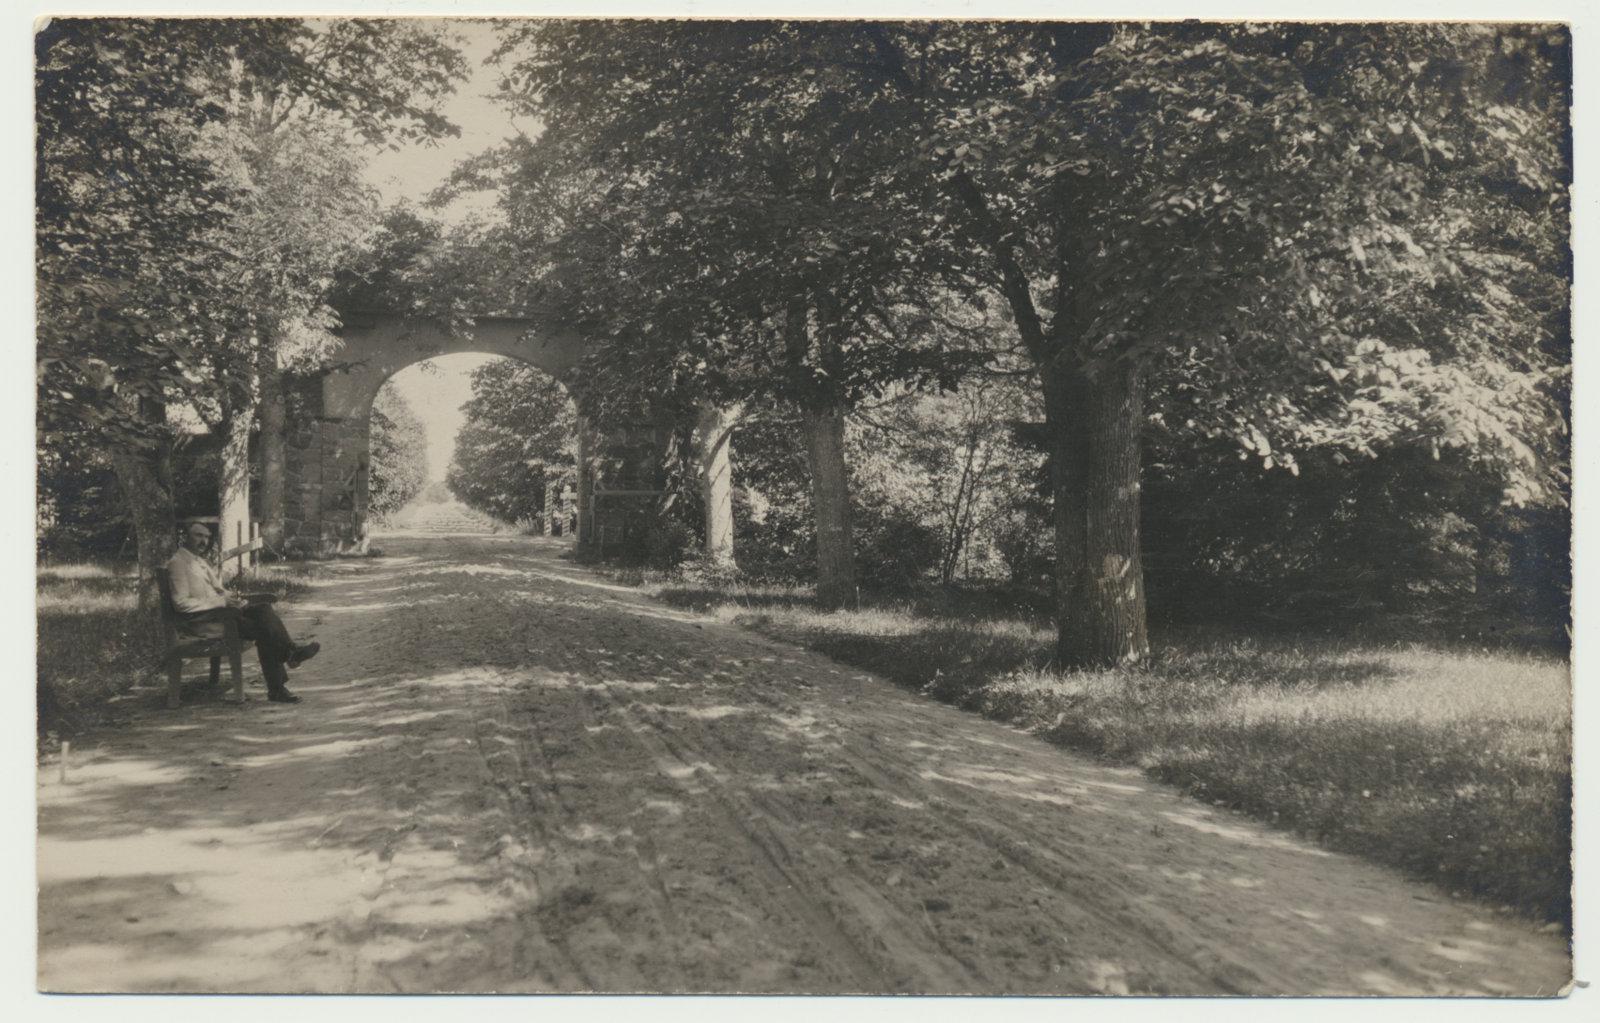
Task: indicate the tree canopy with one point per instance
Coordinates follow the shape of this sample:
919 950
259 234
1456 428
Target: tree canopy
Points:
171 220
399 454
1294 237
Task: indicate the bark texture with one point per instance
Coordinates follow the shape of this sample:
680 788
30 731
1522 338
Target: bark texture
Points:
274 462
714 440
823 411
145 479
830 502
1095 425
585 475
233 491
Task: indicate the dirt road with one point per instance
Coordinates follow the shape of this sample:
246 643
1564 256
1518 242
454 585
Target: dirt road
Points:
508 775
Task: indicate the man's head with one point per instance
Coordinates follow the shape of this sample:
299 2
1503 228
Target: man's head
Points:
197 538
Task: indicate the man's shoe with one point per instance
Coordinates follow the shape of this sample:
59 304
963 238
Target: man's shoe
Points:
282 696
303 654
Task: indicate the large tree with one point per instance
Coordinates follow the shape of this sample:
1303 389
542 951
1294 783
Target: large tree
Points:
1293 236
135 298
298 117
722 228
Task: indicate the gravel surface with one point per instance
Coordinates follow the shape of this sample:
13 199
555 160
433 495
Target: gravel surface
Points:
509 775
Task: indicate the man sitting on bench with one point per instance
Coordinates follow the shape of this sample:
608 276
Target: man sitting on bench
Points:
198 595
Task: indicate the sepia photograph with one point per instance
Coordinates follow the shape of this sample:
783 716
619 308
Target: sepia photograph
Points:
781 505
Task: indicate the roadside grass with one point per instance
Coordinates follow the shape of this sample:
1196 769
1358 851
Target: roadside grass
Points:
93 643
1451 763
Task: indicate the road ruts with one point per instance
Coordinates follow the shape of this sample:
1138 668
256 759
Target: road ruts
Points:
512 775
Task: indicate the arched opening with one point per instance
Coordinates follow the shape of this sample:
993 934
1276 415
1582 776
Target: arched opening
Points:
329 456
472 442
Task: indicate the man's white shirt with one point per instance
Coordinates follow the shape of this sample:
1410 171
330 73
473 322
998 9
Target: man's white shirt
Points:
195 584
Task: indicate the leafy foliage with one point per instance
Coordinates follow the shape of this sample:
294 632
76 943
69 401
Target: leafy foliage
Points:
714 227
127 210
399 454
1308 241
79 509
1322 236
518 436
194 185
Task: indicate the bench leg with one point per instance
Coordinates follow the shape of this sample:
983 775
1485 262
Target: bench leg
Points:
174 682
216 672
236 665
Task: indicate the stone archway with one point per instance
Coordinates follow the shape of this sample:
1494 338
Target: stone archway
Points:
327 461
327 456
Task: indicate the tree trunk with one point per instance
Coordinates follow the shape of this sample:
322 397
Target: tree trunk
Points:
830 503
233 491
823 415
1094 425
958 522
714 440
585 481
272 414
145 479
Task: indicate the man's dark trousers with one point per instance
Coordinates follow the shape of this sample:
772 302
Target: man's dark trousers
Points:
260 623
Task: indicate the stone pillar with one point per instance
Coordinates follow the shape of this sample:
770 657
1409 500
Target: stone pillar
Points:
302 475
714 446
233 496
585 480
343 496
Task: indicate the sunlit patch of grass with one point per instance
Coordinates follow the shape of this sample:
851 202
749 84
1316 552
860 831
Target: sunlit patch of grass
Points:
284 579
1453 764
76 570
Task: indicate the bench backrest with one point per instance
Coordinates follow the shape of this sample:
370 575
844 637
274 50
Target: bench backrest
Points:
169 611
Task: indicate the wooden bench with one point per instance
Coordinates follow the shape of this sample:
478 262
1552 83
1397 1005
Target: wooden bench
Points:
179 643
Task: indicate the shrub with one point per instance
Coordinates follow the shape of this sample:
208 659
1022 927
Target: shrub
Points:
667 543
894 551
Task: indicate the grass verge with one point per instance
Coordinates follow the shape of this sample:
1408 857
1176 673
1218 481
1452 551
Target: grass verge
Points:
95 645
1451 764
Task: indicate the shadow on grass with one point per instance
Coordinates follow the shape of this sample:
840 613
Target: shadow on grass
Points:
1481 805
86 656
705 598
1285 666
66 587
1438 803
954 660
960 603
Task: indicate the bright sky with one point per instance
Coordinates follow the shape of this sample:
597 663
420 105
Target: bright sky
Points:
437 392
412 172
